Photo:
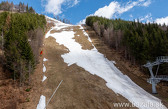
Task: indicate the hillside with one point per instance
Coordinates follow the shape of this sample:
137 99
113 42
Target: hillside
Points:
94 75
90 79
139 42
20 42
115 58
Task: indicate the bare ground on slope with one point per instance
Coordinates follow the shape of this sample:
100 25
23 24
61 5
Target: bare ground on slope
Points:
79 89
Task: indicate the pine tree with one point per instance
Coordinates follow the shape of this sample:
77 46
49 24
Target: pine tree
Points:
31 10
20 6
27 8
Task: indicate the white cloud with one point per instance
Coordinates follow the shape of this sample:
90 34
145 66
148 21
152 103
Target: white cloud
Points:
162 21
76 2
72 3
147 3
55 6
115 8
147 18
107 11
131 15
81 22
127 7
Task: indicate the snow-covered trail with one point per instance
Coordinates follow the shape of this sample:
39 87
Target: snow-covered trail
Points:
95 63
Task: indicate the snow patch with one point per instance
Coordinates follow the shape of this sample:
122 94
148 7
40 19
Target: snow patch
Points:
113 62
44 78
81 27
44 60
44 68
42 102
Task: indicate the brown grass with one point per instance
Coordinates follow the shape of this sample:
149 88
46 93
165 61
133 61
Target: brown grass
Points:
80 89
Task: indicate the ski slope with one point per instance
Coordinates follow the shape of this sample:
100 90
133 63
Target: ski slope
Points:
96 64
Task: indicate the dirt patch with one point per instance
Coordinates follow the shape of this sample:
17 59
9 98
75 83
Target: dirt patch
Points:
12 96
49 25
55 31
82 39
62 29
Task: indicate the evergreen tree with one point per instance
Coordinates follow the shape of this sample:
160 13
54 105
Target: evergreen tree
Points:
140 42
31 10
19 55
27 8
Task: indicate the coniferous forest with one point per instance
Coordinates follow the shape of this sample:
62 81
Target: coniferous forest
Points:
139 42
21 39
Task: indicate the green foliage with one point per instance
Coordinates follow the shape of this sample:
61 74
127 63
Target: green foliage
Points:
28 89
146 41
31 10
142 42
17 50
3 17
27 8
107 23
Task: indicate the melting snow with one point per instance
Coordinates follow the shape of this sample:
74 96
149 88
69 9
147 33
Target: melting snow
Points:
113 62
45 59
42 102
44 68
44 78
95 63
81 27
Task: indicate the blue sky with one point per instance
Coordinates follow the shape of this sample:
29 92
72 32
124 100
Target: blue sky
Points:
78 10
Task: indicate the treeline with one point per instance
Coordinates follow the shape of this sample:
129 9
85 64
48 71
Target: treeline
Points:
64 20
139 42
21 35
21 7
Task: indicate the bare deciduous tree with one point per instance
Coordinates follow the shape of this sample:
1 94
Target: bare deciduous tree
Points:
96 28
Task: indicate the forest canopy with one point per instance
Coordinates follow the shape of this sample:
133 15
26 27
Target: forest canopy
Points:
21 35
140 42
